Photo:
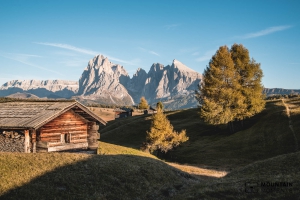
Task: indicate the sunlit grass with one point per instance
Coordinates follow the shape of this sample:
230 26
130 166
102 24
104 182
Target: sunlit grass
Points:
17 169
83 176
112 149
200 172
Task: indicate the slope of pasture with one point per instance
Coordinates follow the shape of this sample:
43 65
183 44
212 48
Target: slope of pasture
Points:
273 178
266 135
82 176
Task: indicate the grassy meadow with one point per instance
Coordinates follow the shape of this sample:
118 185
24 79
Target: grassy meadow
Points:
213 164
266 135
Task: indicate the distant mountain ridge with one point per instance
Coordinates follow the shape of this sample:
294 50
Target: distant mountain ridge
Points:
107 83
41 88
275 91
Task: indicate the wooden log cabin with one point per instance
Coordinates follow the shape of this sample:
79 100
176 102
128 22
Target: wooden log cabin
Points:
49 126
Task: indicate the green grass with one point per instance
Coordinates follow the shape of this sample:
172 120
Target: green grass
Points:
263 152
266 135
283 168
82 176
112 149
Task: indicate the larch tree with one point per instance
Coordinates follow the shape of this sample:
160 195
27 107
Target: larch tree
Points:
143 103
221 99
161 136
250 76
231 89
160 105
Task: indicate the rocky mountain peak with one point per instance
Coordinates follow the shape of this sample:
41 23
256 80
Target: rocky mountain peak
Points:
181 67
156 67
105 81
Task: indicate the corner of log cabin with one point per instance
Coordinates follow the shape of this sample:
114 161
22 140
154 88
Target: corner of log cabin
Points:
66 130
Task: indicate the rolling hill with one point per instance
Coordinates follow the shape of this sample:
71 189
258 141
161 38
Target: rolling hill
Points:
265 153
265 135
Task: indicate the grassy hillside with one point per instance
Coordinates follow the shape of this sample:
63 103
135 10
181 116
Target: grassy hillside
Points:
82 176
266 135
263 152
124 173
236 185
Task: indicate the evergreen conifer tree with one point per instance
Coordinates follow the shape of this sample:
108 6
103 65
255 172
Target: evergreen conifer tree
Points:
143 103
160 105
250 75
161 136
221 99
231 89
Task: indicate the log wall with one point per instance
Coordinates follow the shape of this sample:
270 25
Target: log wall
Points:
68 128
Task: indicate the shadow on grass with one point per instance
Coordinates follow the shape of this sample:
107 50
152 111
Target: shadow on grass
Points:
104 177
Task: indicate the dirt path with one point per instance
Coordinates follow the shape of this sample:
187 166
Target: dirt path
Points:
198 171
288 112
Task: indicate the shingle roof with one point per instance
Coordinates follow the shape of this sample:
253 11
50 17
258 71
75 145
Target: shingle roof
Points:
23 114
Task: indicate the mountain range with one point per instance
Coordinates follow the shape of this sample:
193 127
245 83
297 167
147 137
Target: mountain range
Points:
107 83
104 82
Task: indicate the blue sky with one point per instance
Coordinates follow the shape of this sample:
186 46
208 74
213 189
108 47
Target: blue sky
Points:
56 39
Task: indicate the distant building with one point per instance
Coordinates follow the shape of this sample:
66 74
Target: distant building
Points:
123 112
150 111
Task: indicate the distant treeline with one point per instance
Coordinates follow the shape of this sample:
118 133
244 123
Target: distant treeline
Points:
282 96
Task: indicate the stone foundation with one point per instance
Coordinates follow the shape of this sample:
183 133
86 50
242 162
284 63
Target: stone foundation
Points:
12 141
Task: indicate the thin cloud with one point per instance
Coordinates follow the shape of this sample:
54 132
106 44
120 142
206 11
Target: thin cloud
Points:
81 50
24 61
154 53
151 52
266 31
69 47
171 26
207 56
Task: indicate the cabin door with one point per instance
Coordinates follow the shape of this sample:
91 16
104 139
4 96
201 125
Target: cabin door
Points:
66 138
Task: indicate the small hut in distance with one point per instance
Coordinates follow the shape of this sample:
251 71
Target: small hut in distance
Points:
150 111
47 125
123 112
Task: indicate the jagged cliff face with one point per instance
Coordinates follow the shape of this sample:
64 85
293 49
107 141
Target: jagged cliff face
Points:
41 88
104 82
166 83
136 84
110 84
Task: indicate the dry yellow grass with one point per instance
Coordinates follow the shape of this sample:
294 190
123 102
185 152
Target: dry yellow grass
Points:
108 114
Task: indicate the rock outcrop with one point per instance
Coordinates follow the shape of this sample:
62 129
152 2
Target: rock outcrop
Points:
136 84
172 82
104 82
